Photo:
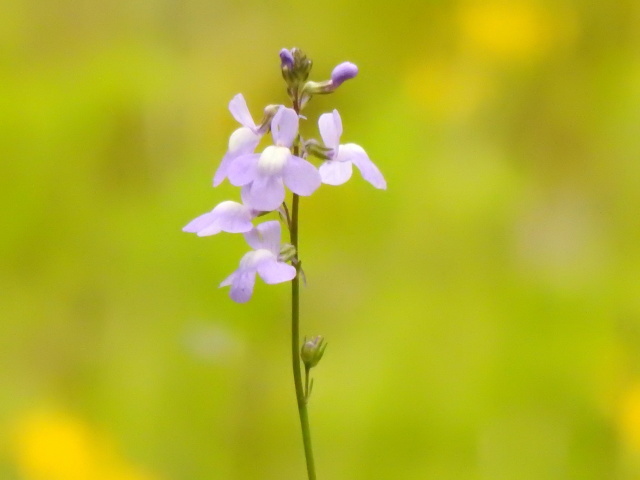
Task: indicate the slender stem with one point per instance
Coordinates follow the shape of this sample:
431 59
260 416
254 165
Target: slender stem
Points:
295 347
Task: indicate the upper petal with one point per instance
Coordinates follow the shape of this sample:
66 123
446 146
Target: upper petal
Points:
357 155
240 111
300 176
330 126
284 127
265 236
242 142
333 172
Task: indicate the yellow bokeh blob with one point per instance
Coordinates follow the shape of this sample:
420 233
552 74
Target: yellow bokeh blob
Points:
629 418
516 30
448 91
59 446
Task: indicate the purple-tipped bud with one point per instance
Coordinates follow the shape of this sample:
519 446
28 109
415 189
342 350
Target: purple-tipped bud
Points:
344 71
286 58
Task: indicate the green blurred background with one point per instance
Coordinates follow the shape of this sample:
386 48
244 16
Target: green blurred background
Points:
483 313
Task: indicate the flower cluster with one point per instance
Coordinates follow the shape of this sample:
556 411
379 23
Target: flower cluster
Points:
264 177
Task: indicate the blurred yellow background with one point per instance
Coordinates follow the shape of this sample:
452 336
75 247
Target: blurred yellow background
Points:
482 314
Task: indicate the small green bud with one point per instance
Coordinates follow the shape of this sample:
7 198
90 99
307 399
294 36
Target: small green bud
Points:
269 112
287 252
313 147
295 66
312 351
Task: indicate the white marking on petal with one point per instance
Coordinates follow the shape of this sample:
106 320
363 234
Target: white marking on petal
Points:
273 160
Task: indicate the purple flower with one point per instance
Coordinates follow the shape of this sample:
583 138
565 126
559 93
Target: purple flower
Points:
263 260
341 73
337 170
242 141
228 216
264 175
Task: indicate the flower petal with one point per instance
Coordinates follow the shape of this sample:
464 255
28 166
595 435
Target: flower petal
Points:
242 142
198 223
333 172
240 111
300 176
266 236
330 126
243 169
357 155
223 169
228 216
265 193
242 283
284 127
272 271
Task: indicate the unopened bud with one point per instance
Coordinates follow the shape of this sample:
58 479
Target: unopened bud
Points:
286 58
344 71
340 74
269 112
312 351
295 67
287 252
313 147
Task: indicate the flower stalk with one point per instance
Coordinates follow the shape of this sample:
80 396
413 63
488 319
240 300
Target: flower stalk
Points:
262 178
301 398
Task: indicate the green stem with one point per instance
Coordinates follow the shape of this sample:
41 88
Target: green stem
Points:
295 347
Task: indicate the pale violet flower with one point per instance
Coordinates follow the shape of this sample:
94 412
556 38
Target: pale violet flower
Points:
263 176
244 140
337 170
228 216
263 260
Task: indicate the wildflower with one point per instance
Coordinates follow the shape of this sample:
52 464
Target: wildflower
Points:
228 216
337 170
264 175
244 140
263 259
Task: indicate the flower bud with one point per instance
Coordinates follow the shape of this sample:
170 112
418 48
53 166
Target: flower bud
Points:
295 67
287 252
301 64
313 147
344 71
341 73
269 112
286 58
312 351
